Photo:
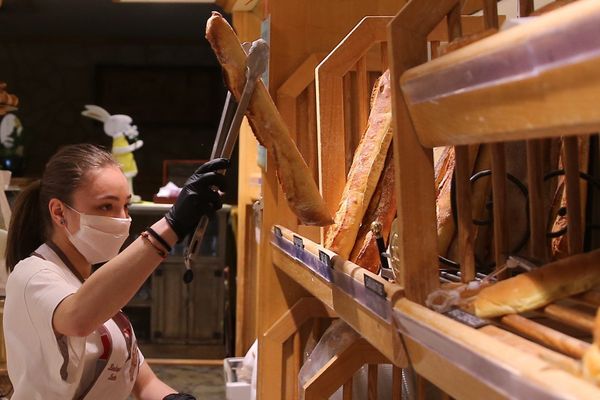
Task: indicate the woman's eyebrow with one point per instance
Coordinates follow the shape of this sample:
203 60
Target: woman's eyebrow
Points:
111 197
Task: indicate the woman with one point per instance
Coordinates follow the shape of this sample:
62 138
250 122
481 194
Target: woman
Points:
66 337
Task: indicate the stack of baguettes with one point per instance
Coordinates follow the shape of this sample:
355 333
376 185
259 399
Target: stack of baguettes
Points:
369 193
8 102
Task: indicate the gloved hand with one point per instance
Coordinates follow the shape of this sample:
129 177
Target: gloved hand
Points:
179 396
198 197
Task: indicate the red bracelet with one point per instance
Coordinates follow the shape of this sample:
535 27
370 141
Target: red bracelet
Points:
146 238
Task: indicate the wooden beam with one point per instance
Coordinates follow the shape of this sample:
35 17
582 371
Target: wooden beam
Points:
413 164
541 104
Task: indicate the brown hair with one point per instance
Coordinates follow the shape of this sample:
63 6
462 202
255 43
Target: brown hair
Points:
65 172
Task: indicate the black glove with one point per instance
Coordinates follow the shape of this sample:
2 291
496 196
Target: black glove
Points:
179 396
198 197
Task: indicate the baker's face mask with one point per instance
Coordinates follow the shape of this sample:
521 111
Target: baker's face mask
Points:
99 238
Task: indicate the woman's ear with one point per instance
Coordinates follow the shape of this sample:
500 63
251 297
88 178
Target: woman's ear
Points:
57 210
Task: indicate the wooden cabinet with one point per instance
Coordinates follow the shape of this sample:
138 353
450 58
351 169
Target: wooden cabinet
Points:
168 311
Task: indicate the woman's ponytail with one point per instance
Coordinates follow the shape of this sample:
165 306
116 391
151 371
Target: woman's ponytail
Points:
31 225
27 225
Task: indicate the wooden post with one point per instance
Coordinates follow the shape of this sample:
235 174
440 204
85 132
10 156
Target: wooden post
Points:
466 234
571 164
413 163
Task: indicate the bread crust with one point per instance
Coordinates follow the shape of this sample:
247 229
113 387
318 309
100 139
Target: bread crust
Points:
382 209
365 171
299 187
591 358
537 288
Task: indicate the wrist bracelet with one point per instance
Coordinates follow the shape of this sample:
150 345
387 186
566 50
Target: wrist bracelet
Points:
146 238
160 239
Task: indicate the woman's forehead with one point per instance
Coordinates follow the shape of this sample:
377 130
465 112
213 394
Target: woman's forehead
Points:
103 182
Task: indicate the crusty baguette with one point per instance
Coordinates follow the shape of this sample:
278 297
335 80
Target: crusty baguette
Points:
537 288
365 171
444 170
381 209
591 358
296 179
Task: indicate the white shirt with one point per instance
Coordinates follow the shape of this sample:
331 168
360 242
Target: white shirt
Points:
45 365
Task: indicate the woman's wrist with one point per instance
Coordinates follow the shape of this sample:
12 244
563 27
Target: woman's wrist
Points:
162 228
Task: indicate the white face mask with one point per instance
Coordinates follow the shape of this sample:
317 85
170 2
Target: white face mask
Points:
99 238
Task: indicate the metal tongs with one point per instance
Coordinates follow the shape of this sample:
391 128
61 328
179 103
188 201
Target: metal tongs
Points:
256 64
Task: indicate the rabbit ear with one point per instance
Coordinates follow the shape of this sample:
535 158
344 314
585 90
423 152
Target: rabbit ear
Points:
96 112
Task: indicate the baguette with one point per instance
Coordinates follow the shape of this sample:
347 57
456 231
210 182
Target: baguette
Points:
591 358
298 185
365 171
381 209
444 170
537 288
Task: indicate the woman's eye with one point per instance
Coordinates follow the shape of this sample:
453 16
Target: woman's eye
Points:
106 207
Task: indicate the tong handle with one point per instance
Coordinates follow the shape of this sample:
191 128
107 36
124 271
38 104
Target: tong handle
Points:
256 64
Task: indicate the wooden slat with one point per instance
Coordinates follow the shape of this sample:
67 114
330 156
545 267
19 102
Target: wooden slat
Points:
363 95
312 129
349 132
499 200
571 317
421 388
537 220
466 234
571 164
372 382
384 56
396 383
525 8
248 29
549 337
454 23
520 343
490 14
347 390
292 367
414 164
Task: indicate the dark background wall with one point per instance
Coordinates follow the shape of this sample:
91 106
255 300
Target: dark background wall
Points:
149 61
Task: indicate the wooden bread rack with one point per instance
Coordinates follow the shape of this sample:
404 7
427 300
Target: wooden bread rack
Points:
300 282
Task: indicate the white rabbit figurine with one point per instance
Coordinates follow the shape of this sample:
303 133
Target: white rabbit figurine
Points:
125 140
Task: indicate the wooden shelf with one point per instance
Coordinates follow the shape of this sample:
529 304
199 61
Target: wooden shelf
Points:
543 74
344 290
488 362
